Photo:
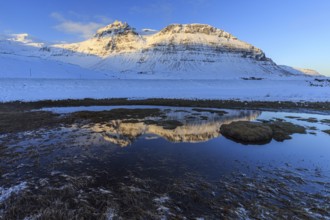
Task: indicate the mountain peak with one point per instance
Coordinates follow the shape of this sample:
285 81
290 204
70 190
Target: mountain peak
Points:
117 27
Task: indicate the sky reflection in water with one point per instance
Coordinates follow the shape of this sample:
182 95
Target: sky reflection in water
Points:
145 158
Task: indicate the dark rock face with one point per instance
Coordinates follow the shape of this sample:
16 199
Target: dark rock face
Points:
247 132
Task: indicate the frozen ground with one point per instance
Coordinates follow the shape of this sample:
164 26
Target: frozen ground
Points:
261 90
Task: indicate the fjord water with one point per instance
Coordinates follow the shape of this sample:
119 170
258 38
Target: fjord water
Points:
175 164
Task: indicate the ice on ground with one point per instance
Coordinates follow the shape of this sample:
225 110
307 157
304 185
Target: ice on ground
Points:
162 210
110 214
5 193
162 199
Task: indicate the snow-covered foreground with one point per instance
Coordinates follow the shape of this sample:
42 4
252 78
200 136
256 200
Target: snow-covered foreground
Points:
262 90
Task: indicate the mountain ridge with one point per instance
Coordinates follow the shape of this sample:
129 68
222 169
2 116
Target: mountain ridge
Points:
177 51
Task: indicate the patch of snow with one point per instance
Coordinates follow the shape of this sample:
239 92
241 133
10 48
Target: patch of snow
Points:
5 193
162 199
162 210
242 213
55 172
135 189
104 191
110 214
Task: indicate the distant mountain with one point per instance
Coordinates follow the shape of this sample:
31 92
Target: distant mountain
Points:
23 56
300 71
24 38
187 51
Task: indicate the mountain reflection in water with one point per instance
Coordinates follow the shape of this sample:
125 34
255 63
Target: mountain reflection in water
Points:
189 125
76 170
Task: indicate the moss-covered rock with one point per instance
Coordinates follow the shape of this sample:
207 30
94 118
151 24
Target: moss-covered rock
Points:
326 131
283 130
326 121
247 132
292 117
311 120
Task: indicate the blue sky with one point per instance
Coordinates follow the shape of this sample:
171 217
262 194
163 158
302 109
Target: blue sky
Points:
291 32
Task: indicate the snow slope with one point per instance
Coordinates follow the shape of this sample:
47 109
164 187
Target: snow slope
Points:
264 90
14 66
22 56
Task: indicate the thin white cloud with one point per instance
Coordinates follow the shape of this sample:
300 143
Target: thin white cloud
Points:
103 19
160 8
83 29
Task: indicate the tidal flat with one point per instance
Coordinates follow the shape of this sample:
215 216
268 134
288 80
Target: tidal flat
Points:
160 162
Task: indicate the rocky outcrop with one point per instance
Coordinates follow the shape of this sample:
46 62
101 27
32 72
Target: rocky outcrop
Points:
195 29
116 28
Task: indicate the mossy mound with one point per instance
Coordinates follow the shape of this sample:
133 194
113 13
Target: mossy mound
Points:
247 132
311 120
326 131
283 130
326 121
24 121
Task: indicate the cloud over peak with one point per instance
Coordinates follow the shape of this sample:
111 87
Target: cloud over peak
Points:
82 26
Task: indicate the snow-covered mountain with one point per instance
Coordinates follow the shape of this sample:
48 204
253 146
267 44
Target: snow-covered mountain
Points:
23 56
177 51
189 51
299 71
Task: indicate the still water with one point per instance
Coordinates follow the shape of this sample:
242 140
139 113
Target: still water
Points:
172 165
